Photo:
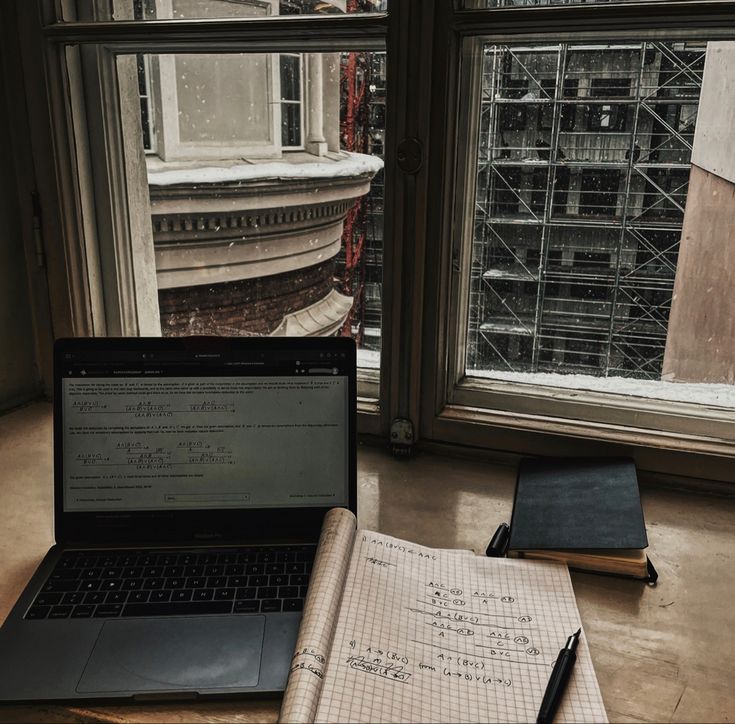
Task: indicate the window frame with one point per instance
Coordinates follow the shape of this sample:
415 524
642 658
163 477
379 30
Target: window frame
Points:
118 295
514 418
426 40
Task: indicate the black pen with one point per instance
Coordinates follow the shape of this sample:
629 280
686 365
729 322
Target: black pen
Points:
558 681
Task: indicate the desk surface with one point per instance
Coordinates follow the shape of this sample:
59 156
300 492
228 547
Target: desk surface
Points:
661 654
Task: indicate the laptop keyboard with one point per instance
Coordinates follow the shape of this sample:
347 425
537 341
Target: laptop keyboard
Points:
176 582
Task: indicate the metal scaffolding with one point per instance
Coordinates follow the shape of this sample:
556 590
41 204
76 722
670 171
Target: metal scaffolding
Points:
584 158
362 127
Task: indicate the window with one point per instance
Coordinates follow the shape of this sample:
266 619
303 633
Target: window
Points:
512 116
291 106
528 233
567 116
592 281
608 116
598 192
253 210
560 197
146 105
620 185
505 190
539 178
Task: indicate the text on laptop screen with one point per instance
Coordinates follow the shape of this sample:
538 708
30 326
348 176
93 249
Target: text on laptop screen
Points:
194 431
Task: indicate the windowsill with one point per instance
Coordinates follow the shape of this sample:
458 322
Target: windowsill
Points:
596 414
710 395
636 633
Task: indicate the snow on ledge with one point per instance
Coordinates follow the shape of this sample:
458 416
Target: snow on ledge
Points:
353 164
715 395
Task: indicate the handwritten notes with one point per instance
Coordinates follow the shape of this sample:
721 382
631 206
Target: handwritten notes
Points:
433 635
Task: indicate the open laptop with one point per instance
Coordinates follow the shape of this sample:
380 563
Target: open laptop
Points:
191 479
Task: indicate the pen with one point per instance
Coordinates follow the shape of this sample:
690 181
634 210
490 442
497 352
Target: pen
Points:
499 543
558 681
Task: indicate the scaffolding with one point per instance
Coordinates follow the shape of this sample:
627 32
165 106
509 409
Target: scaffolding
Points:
354 118
584 157
362 128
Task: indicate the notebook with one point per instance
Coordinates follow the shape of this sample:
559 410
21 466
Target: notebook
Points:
585 512
192 476
398 632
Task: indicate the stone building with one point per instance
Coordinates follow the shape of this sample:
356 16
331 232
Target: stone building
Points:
248 186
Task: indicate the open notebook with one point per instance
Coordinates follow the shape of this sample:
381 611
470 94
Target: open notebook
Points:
396 632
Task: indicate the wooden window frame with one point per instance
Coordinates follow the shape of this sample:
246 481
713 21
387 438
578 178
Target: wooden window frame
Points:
428 187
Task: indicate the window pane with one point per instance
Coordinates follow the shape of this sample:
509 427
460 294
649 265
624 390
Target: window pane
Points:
584 191
290 77
291 106
291 125
197 9
251 235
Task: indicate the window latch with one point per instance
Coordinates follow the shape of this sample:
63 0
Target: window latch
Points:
401 437
410 155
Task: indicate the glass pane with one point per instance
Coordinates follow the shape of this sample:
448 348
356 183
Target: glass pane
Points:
252 236
291 125
290 77
598 248
221 9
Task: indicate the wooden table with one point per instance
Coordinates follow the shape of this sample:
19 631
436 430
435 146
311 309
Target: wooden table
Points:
661 654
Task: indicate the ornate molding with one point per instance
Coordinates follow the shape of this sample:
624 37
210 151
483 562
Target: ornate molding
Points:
223 232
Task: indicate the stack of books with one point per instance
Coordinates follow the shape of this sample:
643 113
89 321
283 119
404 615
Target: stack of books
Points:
585 512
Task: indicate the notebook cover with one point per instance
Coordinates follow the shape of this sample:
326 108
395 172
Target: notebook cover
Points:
577 503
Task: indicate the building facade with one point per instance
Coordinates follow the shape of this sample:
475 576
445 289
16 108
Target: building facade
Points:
250 183
583 169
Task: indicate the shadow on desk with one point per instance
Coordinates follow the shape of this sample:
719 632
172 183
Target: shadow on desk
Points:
242 711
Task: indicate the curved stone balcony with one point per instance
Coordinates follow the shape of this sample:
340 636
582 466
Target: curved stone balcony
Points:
231 226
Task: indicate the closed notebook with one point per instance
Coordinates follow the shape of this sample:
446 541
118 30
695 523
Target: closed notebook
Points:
583 511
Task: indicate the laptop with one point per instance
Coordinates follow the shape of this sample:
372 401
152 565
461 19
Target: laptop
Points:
191 479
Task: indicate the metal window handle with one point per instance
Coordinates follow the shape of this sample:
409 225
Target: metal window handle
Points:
410 155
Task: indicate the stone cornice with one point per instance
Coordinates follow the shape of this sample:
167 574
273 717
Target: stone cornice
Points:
182 228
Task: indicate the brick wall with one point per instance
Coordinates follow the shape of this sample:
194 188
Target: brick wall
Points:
246 307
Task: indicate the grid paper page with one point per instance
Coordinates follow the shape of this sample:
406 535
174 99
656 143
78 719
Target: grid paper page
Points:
436 636
320 613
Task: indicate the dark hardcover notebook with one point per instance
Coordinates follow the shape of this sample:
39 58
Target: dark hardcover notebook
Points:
586 511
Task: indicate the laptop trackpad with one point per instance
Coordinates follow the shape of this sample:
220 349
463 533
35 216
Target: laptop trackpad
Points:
175 654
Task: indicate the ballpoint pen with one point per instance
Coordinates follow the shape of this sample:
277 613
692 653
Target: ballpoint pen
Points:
558 681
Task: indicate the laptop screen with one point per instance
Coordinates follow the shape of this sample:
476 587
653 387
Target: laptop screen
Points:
175 429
